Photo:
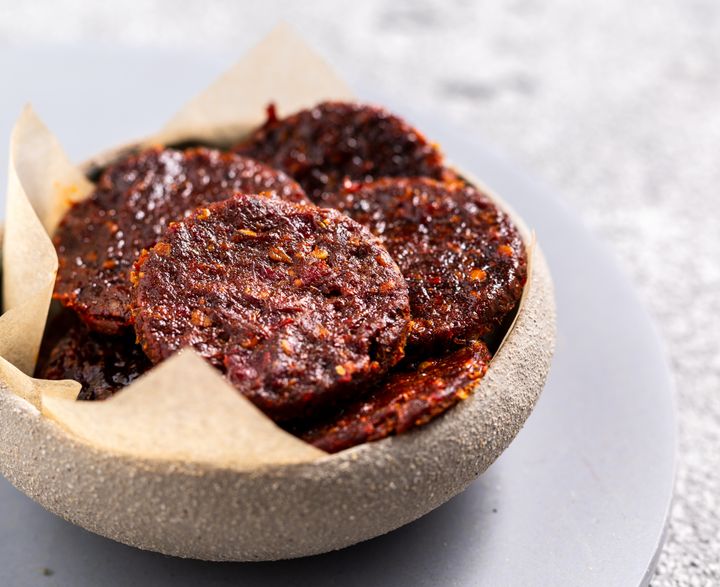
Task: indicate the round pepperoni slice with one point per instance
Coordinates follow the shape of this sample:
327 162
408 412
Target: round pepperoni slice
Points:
462 257
100 237
406 399
102 364
298 305
334 141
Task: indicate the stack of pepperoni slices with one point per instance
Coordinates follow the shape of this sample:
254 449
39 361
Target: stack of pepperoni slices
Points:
331 266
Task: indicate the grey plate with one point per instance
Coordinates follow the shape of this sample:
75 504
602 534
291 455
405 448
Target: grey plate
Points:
580 498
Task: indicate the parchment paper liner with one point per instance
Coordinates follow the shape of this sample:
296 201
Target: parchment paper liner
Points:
183 409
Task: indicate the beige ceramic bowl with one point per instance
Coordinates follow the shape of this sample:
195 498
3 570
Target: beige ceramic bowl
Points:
200 511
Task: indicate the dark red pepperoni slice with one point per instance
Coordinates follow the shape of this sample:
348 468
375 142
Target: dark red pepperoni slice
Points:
462 257
298 305
102 364
405 400
334 141
100 238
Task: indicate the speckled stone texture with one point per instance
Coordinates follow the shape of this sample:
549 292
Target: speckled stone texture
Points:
613 102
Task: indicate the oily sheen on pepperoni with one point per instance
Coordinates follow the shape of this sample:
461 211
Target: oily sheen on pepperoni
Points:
100 237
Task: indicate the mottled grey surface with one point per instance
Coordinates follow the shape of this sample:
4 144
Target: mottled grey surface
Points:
616 104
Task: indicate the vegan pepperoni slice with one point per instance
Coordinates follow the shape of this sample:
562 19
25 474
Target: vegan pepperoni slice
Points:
100 237
406 399
323 146
102 364
298 305
462 257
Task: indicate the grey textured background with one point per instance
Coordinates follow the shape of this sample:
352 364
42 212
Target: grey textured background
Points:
616 104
